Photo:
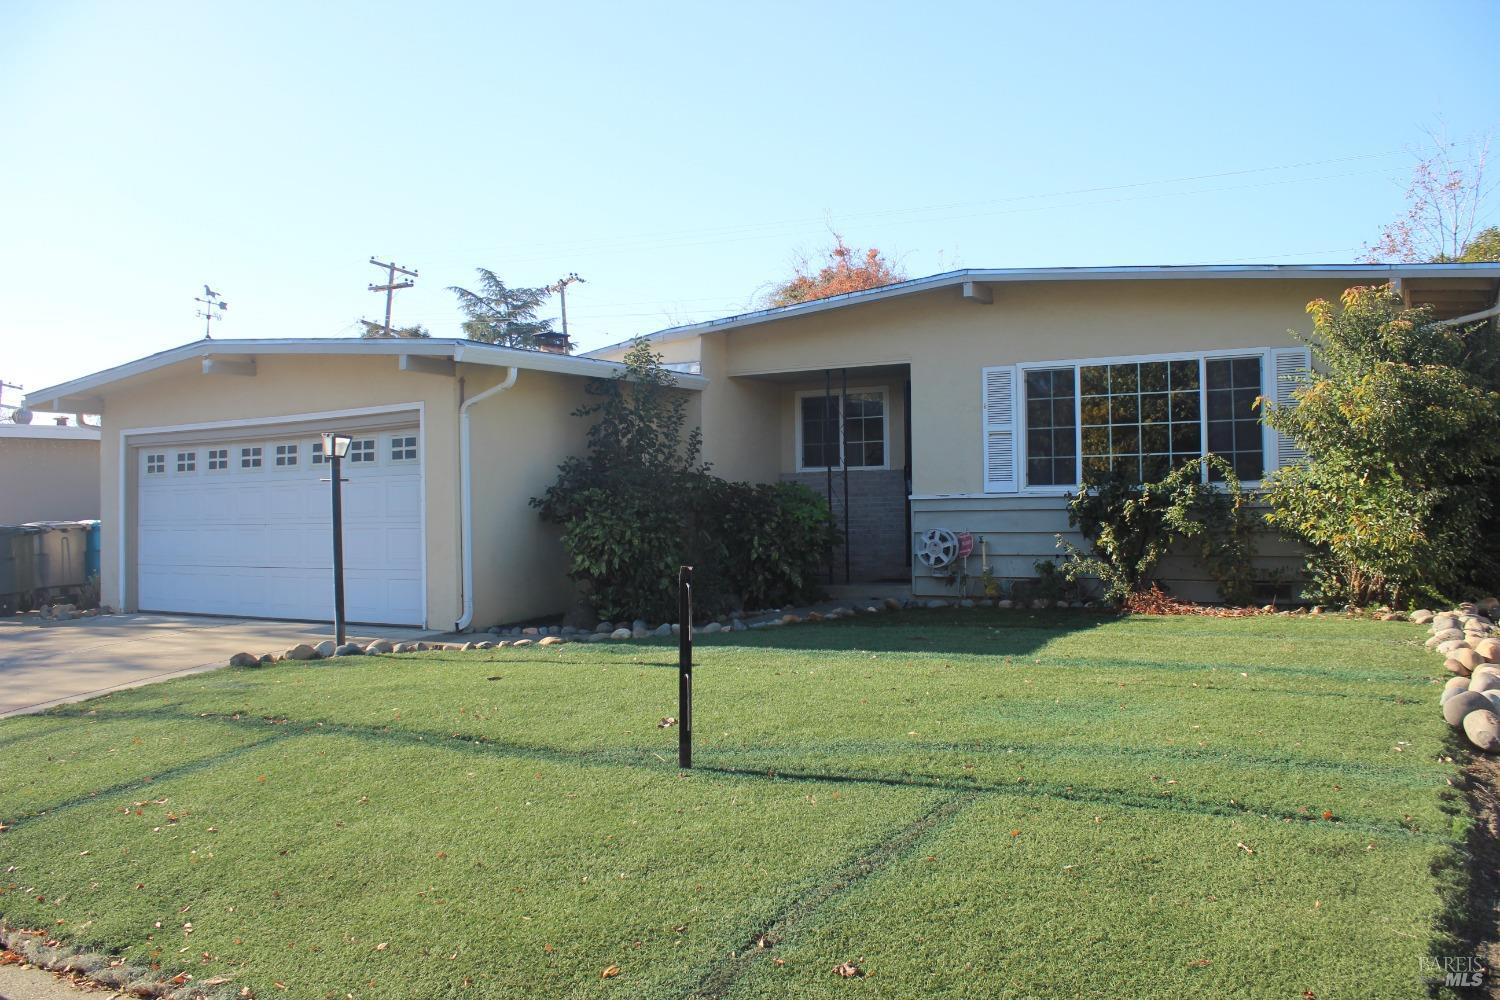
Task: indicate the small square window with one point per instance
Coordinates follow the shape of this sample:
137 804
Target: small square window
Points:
362 450
187 461
286 455
156 464
250 458
404 448
218 459
318 458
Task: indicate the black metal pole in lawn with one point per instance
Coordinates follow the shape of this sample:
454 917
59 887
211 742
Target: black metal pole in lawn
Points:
685 667
338 550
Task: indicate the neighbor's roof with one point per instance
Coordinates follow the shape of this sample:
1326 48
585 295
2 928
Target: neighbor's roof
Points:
1190 272
469 352
49 432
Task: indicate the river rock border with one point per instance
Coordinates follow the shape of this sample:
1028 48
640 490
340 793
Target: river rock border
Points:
92 969
1465 638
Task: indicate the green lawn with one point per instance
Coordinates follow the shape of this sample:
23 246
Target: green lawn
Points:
963 803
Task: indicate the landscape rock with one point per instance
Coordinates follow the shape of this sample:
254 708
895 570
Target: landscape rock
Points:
325 648
891 604
1482 727
1450 690
936 604
530 630
552 640
1005 603
790 619
1447 648
301 651
1485 682
379 646
522 642
712 627
620 633
1468 657
349 649
640 632
1456 667
244 660
1441 622
1461 704
663 630
738 626
604 628
1489 649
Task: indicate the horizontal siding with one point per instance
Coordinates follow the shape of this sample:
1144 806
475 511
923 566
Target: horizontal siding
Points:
1022 530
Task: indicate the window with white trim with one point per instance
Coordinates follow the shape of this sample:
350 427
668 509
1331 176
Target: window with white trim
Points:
318 458
286 455
404 448
362 450
218 459
842 430
156 463
250 458
1046 425
187 461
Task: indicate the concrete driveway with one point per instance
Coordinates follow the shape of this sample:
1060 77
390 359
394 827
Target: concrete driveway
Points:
46 665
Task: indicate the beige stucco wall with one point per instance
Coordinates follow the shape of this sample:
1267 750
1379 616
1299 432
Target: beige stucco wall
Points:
947 341
517 440
48 480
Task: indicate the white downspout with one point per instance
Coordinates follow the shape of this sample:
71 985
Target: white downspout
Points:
466 503
1493 310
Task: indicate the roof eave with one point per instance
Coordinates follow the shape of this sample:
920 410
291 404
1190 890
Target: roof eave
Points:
69 396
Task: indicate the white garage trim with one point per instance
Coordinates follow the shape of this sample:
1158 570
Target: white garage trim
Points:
129 513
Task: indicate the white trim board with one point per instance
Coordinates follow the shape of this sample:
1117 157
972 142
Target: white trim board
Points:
126 515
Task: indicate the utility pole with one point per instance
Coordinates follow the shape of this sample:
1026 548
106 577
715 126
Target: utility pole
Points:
561 288
391 287
211 301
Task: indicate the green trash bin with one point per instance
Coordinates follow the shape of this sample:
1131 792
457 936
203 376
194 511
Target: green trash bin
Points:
17 566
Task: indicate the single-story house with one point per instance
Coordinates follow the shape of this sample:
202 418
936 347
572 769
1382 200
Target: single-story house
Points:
970 401
48 472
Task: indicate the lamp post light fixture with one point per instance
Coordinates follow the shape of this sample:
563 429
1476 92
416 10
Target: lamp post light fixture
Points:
335 447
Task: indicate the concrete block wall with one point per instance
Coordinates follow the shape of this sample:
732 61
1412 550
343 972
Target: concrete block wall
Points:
877 521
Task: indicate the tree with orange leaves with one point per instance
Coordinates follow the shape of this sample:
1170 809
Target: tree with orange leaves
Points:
1445 202
845 269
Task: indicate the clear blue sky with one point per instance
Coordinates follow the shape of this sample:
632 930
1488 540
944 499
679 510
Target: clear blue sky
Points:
676 156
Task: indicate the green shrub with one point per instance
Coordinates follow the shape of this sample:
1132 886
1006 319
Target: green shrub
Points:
1131 526
1401 423
640 503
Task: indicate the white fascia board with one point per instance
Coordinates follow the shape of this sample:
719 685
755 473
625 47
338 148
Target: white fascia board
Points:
465 351
1165 272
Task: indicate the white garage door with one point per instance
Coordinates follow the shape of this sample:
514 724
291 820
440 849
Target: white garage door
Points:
244 527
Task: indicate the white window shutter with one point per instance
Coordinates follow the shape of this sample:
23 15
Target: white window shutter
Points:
1000 430
1289 370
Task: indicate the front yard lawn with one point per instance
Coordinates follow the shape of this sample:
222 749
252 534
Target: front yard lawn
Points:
959 803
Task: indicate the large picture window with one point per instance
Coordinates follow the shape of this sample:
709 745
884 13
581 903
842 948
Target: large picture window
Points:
1140 417
835 430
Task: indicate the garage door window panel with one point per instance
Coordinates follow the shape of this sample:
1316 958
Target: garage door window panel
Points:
286 456
362 451
250 458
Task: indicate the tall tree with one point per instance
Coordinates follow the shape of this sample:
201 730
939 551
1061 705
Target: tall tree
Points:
500 314
843 269
1445 199
376 331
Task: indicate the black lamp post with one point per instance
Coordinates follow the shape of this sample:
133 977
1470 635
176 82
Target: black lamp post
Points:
335 447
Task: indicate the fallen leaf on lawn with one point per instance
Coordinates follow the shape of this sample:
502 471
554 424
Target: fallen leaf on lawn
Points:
262 779
279 985
778 962
547 948
382 946
1245 847
667 722
610 972
1328 814
1199 963
848 970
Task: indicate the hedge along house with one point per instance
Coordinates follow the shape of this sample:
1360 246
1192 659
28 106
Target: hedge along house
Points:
215 490
974 401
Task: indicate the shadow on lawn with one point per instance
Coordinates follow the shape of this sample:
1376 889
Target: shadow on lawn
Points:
976 632
1470 876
